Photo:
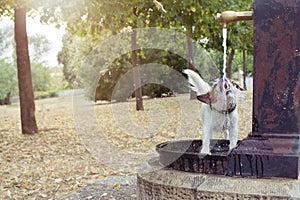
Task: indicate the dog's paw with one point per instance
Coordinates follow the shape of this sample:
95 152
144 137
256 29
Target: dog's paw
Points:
205 151
232 146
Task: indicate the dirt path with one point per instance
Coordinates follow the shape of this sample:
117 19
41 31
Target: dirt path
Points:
109 188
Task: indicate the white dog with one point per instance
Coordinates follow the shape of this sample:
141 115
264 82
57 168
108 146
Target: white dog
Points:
219 108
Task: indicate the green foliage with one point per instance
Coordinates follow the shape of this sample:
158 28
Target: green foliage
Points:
110 77
93 19
71 56
6 7
193 17
6 42
8 79
45 94
40 77
238 62
39 46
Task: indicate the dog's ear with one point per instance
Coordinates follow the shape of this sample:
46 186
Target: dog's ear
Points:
236 85
205 98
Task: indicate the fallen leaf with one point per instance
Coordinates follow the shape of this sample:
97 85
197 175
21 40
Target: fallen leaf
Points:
104 195
117 185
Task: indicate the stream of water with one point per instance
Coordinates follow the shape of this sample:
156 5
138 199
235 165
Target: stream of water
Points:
225 50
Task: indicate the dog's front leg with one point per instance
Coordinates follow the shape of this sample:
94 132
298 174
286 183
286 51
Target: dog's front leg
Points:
226 134
233 131
206 137
233 138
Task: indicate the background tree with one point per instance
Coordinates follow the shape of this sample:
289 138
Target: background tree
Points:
17 10
134 16
194 18
39 47
24 74
113 27
6 44
8 74
40 77
73 52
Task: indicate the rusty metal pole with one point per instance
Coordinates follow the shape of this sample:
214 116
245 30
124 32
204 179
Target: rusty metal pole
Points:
272 149
277 67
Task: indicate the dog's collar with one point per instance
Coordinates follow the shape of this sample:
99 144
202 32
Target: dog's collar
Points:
224 112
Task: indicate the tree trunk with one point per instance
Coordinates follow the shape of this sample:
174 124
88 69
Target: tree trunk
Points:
230 59
244 70
190 55
24 74
136 73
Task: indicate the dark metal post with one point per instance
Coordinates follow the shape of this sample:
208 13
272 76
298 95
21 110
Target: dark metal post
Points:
272 149
277 67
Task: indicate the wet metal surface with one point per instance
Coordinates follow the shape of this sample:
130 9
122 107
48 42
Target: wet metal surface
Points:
185 155
261 157
266 156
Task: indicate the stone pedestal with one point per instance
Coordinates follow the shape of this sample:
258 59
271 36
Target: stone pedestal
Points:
156 183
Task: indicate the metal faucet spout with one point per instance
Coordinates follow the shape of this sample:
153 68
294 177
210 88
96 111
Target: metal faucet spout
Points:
232 16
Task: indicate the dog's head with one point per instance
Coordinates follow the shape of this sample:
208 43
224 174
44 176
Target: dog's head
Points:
222 96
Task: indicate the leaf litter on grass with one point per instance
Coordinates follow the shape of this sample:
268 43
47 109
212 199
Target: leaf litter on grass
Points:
55 161
48 164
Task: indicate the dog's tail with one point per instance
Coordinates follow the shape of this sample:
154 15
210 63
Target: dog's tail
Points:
197 84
